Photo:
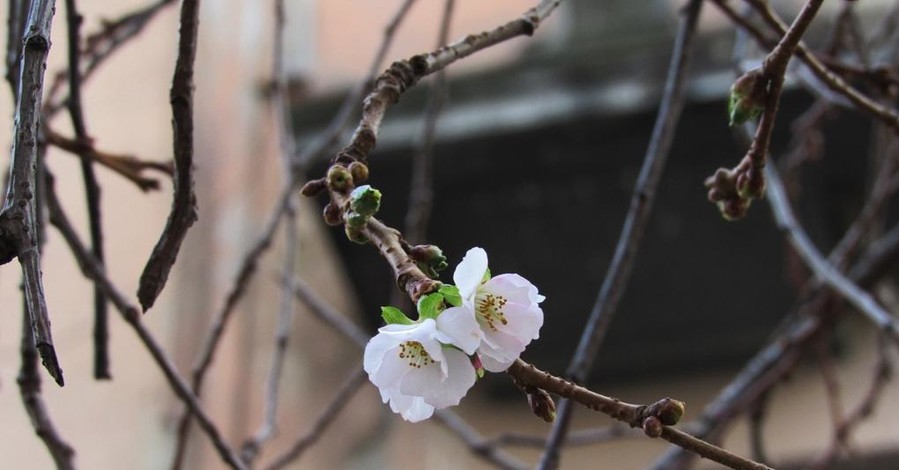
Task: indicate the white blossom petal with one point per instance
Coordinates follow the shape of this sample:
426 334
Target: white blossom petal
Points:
412 409
470 272
458 326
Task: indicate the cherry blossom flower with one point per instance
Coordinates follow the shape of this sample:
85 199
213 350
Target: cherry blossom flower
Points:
423 366
505 306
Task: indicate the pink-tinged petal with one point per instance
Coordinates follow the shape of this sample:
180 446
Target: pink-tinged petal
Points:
412 409
504 347
470 272
495 364
514 288
522 321
458 326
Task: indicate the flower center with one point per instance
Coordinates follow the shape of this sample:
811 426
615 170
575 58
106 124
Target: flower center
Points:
415 354
490 309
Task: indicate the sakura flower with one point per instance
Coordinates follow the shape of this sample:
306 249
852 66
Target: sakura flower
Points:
417 369
505 306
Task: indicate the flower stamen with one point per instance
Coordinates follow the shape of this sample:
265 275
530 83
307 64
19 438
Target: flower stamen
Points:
490 309
414 352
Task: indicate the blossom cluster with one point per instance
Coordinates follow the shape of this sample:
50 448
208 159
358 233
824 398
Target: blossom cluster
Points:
480 323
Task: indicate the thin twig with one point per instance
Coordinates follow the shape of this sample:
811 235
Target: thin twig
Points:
477 443
91 190
619 270
823 270
130 167
341 398
102 45
131 314
421 192
30 388
15 27
281 111
883 371
19 219
184 202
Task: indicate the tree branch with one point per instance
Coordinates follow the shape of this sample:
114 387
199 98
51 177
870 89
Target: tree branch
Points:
184 202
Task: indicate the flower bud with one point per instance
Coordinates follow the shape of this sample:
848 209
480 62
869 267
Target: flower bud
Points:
541 404
355 235
652 426
359 172
734 208
429 258
313 187
339 179
332 215
670 411
356 220
365 200
747 97
751 184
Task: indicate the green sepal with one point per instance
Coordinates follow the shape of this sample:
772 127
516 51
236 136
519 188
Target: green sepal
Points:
430 306
365 200
395 316
487 276
451 294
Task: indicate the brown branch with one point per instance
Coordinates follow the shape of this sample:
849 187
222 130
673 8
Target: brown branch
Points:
734 189
341 398
91 190
883 372
618 273
184 202
823 270
101 45
15 27
19 219
128 166
220 320
29 381
421 192
131 314
832 80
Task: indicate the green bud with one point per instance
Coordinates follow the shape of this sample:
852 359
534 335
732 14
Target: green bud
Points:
355 235
429 258
429 306
356 220
394 316
747 97
365 200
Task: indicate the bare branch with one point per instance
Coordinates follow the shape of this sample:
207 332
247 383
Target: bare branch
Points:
618 274
184 202
19 219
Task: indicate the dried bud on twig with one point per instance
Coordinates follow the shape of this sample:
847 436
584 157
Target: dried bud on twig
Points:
541 404
359 171
313 187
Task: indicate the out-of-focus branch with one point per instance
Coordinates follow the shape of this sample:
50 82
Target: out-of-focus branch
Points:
101 45
15 27
421 193
130 167
184 202
30 388
91 189
823 270
340 398
618 273
19 219
131 314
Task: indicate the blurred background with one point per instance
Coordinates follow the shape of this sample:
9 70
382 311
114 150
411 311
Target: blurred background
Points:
535 156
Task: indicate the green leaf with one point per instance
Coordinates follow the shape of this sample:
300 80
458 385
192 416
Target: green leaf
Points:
430 305
451 294
395 316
